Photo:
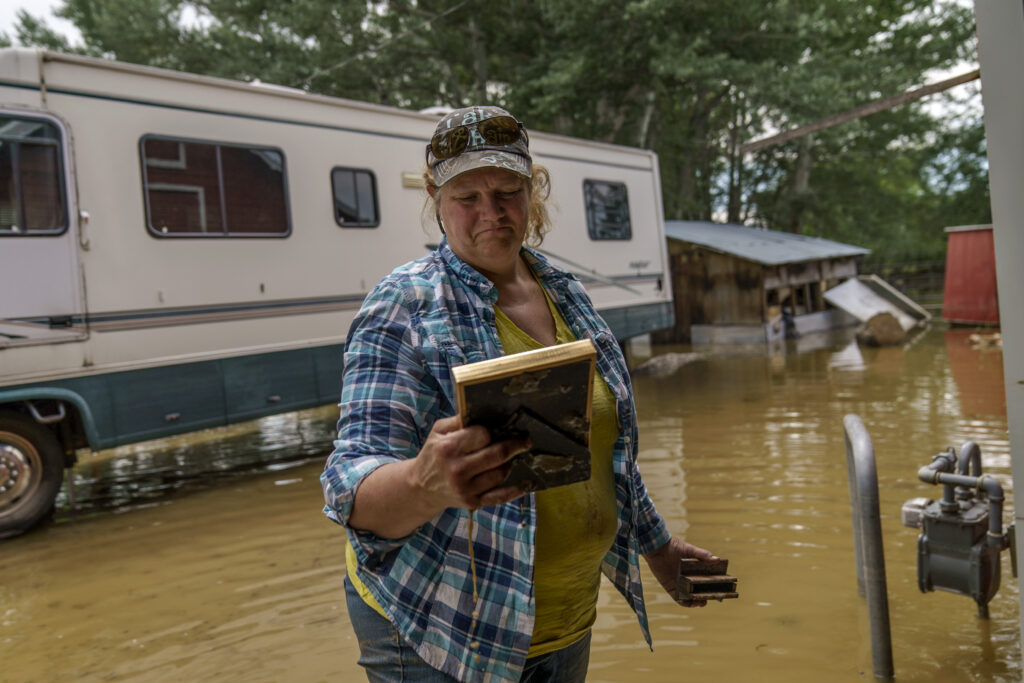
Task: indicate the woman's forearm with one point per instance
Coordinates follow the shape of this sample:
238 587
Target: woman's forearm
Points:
388 502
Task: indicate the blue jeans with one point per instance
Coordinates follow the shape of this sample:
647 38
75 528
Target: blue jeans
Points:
386 657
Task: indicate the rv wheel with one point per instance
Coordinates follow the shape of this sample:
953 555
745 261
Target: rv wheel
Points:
30 473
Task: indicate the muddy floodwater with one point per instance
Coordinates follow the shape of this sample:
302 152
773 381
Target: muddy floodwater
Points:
206 558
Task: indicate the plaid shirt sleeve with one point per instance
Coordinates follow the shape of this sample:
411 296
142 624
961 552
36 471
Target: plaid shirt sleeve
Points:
652 533
651 530
388 401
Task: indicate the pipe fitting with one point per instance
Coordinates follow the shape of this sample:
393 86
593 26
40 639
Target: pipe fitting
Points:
932 473
970 458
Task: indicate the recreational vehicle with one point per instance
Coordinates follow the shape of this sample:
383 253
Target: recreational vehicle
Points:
179 252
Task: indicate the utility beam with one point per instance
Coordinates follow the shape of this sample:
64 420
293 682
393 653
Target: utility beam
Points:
859 112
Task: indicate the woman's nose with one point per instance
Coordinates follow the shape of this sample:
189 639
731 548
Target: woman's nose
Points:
491 206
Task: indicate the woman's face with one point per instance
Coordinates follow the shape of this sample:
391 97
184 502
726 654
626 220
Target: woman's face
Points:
485 214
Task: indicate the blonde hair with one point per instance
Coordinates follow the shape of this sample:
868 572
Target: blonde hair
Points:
539 185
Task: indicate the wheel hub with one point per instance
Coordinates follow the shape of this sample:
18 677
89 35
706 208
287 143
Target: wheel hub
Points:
15 473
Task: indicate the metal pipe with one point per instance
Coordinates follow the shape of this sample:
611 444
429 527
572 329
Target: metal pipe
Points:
867 540
992 488
46 419
970 454
969 462
943 462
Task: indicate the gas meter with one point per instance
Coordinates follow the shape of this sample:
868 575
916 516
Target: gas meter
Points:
961 534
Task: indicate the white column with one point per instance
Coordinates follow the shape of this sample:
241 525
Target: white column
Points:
1001 52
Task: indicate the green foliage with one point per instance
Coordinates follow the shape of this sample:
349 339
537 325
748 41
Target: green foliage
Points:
691 80
32 31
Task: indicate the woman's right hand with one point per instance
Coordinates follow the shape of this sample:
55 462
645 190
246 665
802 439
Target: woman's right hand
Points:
457 467
462 467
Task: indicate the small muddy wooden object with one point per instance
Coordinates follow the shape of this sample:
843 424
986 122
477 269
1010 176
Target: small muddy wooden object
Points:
704 580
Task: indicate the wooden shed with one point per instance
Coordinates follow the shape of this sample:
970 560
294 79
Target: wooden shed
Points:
738 284
970 296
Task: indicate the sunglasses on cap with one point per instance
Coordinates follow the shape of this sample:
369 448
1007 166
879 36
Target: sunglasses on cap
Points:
498 131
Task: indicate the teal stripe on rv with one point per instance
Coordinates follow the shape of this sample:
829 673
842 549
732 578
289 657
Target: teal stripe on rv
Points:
632 321
184 315
137 405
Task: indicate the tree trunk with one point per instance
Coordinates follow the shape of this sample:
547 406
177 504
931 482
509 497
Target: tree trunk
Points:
479 50
645 121
735 205
802 176
800 185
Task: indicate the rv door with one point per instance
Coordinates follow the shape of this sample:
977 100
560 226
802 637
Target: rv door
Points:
40 287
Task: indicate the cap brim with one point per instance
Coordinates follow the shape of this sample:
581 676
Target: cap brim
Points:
485 158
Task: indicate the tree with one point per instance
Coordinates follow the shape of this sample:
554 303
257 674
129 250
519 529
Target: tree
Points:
691 80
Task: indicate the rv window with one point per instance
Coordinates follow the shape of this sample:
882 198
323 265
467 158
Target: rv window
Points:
607 207
31 189
355 198
211 189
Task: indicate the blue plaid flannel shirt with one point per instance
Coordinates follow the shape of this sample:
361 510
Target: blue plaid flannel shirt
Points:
419 322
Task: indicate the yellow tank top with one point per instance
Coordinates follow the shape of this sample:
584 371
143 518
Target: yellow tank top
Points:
576 524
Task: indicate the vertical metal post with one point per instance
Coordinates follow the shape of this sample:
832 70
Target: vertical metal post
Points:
1000 28
867 540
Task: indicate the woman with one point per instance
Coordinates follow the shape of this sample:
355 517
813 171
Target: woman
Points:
411 487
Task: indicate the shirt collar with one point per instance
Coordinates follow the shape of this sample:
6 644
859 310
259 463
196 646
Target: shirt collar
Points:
547 273
467 273
484 287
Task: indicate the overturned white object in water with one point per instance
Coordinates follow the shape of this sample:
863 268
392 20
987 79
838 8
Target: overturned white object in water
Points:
866 296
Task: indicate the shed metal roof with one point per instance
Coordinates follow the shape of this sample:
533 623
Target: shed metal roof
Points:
767 247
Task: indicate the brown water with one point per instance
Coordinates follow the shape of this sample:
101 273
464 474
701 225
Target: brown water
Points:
206 557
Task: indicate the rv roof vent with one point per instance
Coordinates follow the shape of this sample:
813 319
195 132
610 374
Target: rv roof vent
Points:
274 86
437 111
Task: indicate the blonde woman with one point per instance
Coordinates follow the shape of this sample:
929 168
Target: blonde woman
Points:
404 478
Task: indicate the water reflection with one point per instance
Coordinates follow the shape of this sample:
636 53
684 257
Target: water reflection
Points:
138 474
742 451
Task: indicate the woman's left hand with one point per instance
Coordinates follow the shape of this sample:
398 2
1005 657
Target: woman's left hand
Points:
664 563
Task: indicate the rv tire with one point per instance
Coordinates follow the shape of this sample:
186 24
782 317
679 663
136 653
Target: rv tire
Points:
31 471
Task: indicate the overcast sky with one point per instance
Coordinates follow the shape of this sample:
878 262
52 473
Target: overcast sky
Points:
44 8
